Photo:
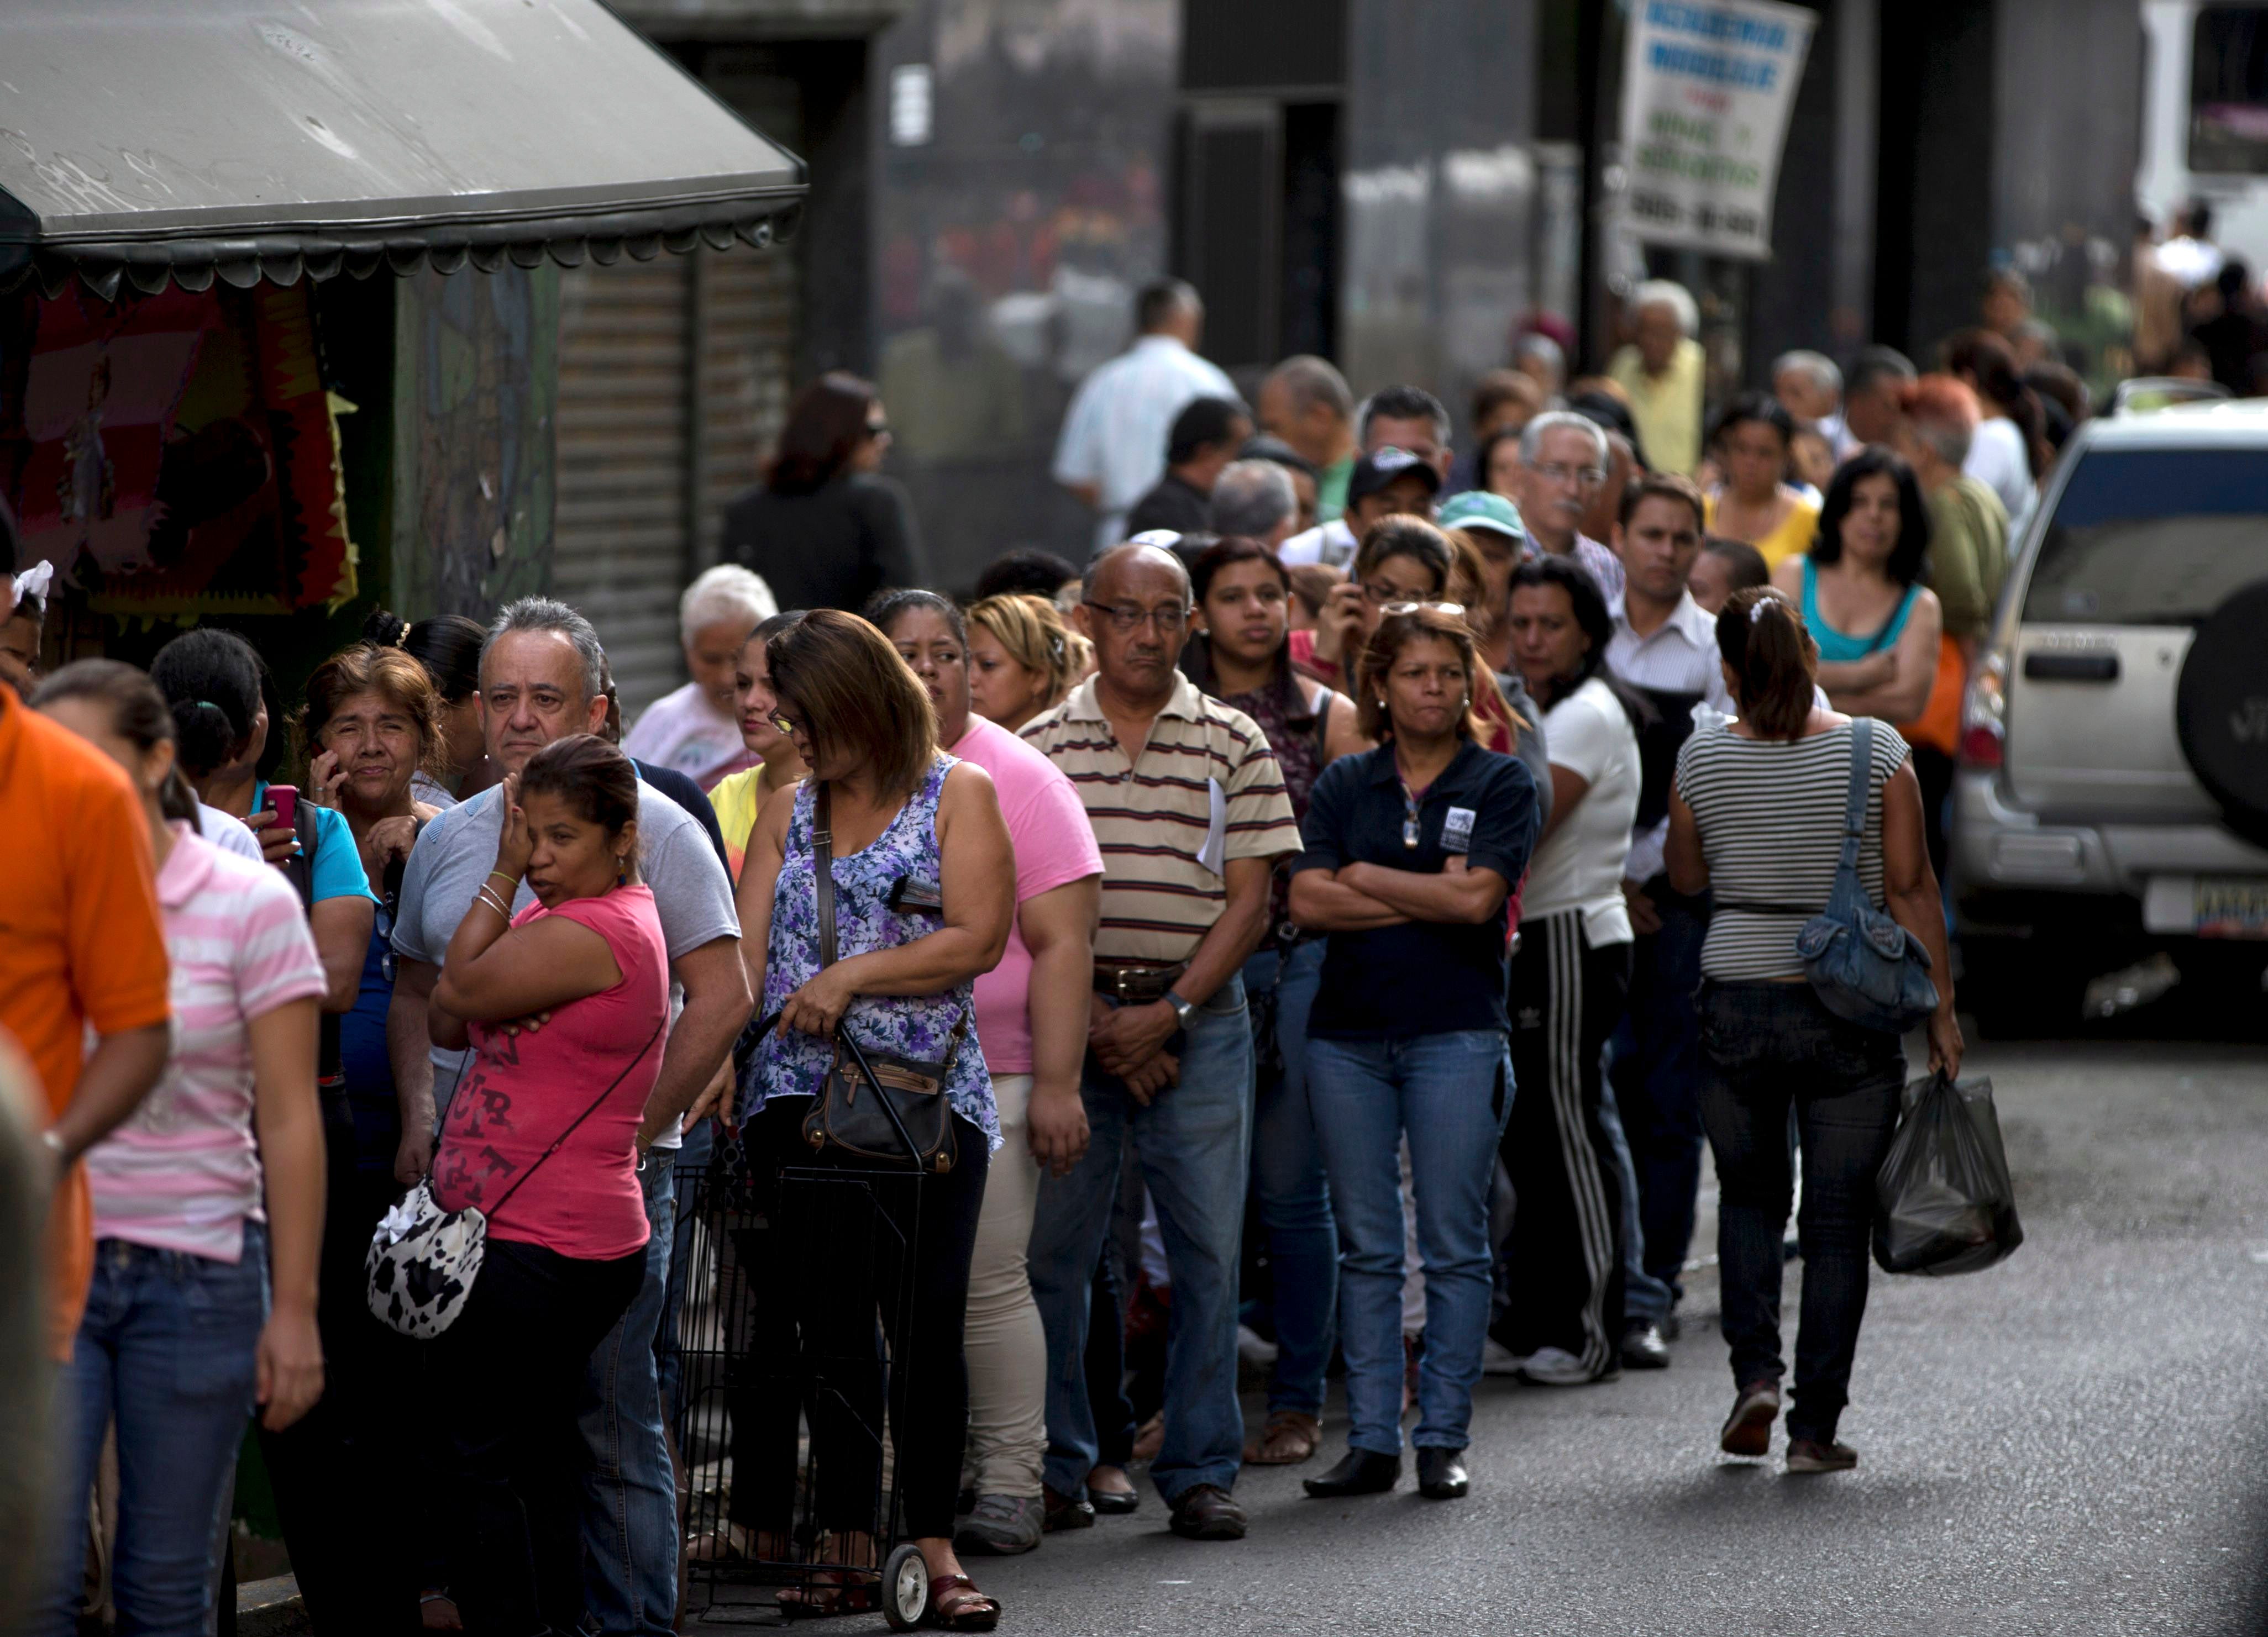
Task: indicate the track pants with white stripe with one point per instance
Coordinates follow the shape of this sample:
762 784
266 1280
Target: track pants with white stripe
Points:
1565 1255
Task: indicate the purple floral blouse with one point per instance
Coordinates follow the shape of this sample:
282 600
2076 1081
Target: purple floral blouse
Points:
908 1026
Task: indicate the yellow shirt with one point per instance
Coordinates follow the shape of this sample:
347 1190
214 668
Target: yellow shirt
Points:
735 800
1791 539
1667 408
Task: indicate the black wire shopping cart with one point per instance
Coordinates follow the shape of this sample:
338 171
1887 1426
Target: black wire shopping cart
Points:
794 1330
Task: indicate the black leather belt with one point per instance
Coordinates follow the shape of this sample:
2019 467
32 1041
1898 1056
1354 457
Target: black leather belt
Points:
1126 980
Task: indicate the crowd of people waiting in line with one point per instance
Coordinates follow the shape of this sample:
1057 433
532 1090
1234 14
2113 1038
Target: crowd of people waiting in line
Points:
1410 847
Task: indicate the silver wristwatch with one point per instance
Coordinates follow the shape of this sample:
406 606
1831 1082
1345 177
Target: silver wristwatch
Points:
1181 1008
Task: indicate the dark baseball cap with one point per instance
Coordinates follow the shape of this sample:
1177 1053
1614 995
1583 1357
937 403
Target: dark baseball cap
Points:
1375 470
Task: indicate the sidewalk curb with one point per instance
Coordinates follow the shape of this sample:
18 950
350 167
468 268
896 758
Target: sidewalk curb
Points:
271 1608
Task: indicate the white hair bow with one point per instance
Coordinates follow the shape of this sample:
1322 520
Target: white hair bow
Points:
33 582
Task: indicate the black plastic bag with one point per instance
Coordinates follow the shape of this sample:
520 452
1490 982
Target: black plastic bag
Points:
1944 1200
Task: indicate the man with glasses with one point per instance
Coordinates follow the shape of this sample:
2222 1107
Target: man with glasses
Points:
1190 813
1563 462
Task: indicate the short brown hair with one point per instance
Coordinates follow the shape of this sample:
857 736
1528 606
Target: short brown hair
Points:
1500 387
389 673
1401 536
591 777
845 685
1395 633
1664 486
1775 662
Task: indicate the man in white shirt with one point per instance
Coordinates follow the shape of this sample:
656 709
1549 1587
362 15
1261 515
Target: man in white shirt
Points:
1665 646
1113 444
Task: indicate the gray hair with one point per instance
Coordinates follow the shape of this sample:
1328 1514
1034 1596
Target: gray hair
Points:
727 591
1252 497
1536 344
1313 380
1870 364
549 614
1816 367
1663 293
1532 435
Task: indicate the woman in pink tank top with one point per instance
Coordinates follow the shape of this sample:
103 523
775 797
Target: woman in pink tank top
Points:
564 1007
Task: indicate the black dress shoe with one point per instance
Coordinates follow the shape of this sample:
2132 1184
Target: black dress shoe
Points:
1441 1474
1360 1472
1113 1502
1643 1347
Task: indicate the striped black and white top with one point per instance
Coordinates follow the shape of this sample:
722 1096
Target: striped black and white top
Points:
1770 816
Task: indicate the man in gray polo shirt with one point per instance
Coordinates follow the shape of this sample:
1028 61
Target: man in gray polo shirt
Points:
540 681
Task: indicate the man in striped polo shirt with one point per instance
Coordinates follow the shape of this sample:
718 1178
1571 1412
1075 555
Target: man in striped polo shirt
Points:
1189 810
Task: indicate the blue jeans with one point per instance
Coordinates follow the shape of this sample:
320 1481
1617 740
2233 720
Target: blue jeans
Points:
1194 1141
629 1514
692 1165
1655 1065
1646 1299
1448 1094
1770 1046
167 1348
1287 1175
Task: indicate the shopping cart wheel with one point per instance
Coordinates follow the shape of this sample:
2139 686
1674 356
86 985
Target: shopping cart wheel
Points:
905 1588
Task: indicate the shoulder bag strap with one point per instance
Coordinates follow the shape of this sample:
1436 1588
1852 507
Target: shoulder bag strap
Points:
561 1140
1854 805
822 863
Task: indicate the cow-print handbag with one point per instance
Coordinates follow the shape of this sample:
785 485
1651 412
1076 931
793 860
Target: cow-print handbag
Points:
422 1259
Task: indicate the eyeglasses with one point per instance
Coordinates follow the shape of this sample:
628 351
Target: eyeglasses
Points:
1455 611
1126 619
1582 477
782 725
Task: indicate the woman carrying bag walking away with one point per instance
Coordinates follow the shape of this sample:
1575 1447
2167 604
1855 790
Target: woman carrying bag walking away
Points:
1757 817
892 821
554 1172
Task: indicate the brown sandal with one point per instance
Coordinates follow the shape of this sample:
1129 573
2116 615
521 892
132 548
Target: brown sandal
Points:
827 1594
1291 1437
970 1610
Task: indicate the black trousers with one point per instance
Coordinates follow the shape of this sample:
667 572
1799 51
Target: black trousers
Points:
1565 1251
1114 1430
837 1265
351 1476
509 1375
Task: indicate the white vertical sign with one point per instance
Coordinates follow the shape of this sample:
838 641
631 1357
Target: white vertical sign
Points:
1706 89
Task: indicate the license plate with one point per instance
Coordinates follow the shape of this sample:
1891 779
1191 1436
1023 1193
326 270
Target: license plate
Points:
2232 907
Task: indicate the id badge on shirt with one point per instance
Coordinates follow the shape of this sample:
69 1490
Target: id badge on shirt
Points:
1457 830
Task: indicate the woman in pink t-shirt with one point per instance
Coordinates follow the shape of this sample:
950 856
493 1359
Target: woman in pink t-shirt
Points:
179 1340
1031 1017
562 1005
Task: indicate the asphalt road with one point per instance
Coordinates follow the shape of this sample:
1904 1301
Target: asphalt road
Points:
2075 1442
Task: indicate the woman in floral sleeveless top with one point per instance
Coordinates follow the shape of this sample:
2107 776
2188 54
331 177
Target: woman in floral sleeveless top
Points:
900 812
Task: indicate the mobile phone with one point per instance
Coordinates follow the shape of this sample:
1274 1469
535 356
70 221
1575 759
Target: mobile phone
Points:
284 798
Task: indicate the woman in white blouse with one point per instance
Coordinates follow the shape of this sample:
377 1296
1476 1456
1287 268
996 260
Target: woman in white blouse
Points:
1569 977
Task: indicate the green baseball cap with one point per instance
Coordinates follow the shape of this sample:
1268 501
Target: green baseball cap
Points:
1478 509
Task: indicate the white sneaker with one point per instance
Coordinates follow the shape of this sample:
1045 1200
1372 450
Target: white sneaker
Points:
1555 1367
1500 1359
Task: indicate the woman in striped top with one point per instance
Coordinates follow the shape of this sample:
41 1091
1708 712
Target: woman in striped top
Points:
180 1339
1756 817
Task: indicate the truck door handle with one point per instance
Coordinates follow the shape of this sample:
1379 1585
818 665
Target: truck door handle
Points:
2049 666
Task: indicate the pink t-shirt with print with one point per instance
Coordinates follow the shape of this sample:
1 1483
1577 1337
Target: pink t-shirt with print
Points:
182 1173
524 1091
1054 844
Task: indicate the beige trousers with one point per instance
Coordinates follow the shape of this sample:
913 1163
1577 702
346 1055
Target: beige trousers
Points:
1007 1350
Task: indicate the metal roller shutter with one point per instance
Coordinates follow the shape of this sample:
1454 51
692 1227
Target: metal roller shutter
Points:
618 545
675 376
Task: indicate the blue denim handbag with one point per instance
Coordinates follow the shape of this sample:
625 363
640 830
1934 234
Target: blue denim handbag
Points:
1863 966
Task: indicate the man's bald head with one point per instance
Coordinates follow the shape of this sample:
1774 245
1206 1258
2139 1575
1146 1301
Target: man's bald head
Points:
1137 614
1131 571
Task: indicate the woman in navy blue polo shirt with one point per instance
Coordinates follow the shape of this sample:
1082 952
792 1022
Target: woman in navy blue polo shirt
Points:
1412 851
